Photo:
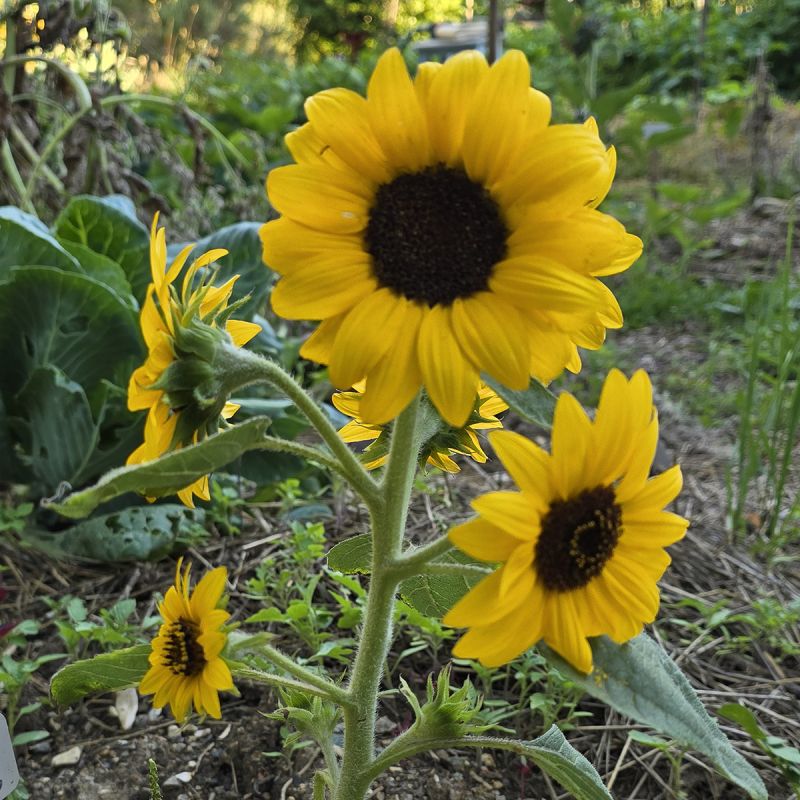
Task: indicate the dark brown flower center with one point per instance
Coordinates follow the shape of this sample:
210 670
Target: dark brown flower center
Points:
577 539
435 235
183 653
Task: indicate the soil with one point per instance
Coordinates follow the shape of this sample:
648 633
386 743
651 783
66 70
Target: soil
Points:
238 757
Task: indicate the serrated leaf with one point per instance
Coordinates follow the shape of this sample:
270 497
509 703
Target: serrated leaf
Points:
135 534
108 672
434 595
353 555
553 754
168 474
535 404
25 240
244 259
108 226
640 680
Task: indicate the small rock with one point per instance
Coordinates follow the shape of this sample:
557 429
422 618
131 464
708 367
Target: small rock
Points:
178 779
40 747
769 207
202 733
384 725
126 704
67 758
154 713
173 732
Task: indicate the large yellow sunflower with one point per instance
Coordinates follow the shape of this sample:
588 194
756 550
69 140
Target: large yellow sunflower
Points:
174 420
185 662
440 228
582 544
437 451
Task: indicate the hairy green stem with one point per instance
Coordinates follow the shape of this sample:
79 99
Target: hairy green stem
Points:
388 527
413 559
243 367
321 687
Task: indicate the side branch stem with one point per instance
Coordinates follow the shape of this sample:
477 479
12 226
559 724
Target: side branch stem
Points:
243 367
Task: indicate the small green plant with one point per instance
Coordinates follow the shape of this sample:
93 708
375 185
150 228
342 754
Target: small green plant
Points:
782 754
673 754
769 415
109 628
16 670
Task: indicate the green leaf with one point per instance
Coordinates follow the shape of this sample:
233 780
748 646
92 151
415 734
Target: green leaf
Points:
640 680
62 432
244 259
109 226
553 754
109 672
168 474
29 737
352 555
535 404
69 320
744 718
434 595
102 269
135 534
25 240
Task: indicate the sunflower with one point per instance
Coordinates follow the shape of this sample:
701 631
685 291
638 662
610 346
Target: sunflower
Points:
180 332
582 544
436 451
185 662
440 228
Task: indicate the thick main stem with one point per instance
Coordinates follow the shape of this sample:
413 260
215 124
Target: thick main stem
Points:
388 525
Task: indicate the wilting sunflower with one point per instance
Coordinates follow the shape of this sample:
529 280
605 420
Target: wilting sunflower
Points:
182 332
185 662
582 544
437 450
440 228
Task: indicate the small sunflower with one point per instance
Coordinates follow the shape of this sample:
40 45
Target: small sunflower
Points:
437 450
185 662
582 544
181 333
440 228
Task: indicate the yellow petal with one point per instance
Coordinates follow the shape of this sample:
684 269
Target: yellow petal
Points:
314 293
319 346
208 592
241 332
396 378
287 245
495 126
450 379
571 439
512 512
563 632
449 100
340 117
480 539
396 116
565 167
368 331
320 197
527 464
494 337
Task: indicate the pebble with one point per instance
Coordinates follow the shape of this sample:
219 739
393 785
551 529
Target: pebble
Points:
178 779
384 725
67 757
126 704
173 732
